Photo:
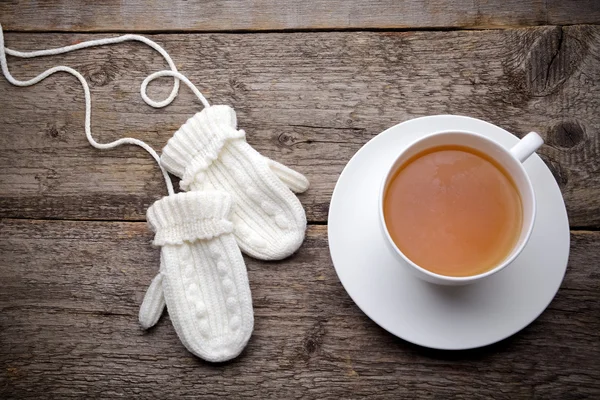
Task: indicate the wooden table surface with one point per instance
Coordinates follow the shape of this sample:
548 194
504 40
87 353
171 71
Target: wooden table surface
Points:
311 82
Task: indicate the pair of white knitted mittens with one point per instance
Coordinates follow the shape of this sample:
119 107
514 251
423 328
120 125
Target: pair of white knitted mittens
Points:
237 199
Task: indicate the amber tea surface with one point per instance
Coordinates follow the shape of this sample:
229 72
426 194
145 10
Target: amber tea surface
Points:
453 211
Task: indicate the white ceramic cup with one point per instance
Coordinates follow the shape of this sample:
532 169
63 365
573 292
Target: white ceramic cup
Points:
511 160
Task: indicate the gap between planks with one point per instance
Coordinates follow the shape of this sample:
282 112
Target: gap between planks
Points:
293 30
579 229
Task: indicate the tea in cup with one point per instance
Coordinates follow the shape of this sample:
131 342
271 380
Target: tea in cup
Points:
457 206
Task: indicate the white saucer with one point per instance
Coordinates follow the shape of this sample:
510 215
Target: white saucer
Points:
442 317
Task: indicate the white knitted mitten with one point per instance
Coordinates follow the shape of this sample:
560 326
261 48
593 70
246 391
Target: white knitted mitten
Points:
209 153
202 277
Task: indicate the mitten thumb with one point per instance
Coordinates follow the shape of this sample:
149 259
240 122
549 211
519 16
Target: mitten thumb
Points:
294 180
153 304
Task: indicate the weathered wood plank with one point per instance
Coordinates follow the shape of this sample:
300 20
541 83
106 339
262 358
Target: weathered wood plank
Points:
70 292
310 100
257 15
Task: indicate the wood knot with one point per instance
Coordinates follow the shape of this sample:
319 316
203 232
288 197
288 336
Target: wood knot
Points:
311 345
284 139
290 139
100 75
55 132
552 59
237 85
313 340
52 131
566 134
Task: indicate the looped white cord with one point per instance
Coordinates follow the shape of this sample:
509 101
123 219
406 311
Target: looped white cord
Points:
176 75
102 42
88 102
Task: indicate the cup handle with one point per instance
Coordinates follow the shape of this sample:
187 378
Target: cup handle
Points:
526 146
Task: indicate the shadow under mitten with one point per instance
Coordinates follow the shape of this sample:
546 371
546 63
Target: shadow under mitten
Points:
202 278
209 153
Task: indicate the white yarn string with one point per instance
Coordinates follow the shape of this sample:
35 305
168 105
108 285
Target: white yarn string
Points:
176 75
102 42
88 102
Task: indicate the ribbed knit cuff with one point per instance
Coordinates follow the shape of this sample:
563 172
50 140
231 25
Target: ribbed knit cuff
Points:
186 217
199 141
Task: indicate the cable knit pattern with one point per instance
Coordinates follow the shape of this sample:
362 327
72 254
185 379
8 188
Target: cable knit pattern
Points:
209 153
202 277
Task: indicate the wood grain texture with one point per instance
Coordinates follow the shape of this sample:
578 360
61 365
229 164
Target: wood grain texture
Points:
257 15
309 100
70 292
